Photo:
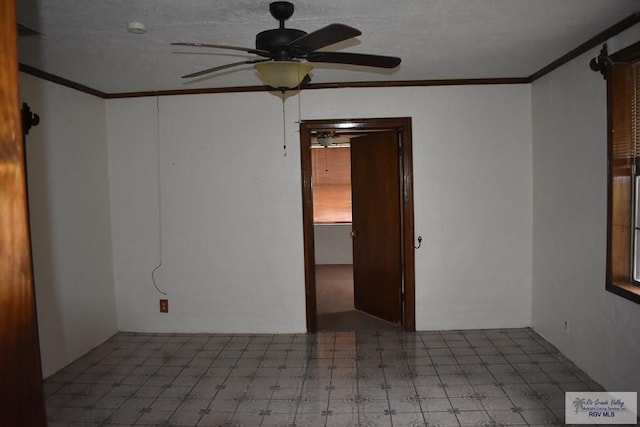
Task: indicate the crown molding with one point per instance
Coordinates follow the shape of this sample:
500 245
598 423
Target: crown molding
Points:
605 35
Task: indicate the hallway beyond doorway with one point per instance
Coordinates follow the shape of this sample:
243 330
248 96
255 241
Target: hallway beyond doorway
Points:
336 311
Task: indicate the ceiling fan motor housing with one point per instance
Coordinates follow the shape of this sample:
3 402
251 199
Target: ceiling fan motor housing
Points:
276 42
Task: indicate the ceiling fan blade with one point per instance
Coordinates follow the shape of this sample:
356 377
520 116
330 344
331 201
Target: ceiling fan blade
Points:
354 59
223 46
222 67
323 37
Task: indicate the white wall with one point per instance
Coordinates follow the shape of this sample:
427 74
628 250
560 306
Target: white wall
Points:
472 191
231 221
231 206
569 226
333 243
70 222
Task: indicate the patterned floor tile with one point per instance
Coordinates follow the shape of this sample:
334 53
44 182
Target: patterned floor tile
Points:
372 378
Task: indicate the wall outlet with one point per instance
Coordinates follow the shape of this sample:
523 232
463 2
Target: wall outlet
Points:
164 306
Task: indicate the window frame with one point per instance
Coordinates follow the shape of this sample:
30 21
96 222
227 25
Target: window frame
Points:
627 289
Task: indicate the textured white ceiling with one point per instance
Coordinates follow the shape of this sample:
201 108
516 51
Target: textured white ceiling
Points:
86 41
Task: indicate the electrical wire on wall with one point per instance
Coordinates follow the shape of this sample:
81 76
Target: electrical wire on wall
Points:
153 272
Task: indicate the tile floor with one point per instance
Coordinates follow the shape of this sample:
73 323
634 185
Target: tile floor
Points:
504 377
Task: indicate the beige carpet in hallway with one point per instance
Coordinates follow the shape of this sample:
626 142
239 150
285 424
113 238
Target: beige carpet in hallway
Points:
334 298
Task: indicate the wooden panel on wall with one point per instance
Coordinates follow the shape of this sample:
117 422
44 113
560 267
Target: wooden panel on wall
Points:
20 372
621 158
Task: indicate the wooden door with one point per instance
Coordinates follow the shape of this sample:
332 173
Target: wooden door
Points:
401 127
21 396
376 229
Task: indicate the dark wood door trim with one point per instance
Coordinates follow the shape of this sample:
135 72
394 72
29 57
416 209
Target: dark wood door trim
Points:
21 393
402 125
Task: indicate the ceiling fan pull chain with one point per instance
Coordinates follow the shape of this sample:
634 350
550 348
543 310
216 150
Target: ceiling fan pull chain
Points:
326 159
299 97
284 127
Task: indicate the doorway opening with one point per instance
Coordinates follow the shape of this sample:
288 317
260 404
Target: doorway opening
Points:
332 214
357 193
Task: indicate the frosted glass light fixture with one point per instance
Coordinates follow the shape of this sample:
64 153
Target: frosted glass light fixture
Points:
283 75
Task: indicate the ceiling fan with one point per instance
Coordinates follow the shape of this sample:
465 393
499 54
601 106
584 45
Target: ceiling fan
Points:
332 139
287 45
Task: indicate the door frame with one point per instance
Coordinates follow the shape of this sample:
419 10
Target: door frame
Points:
402 126
22 394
